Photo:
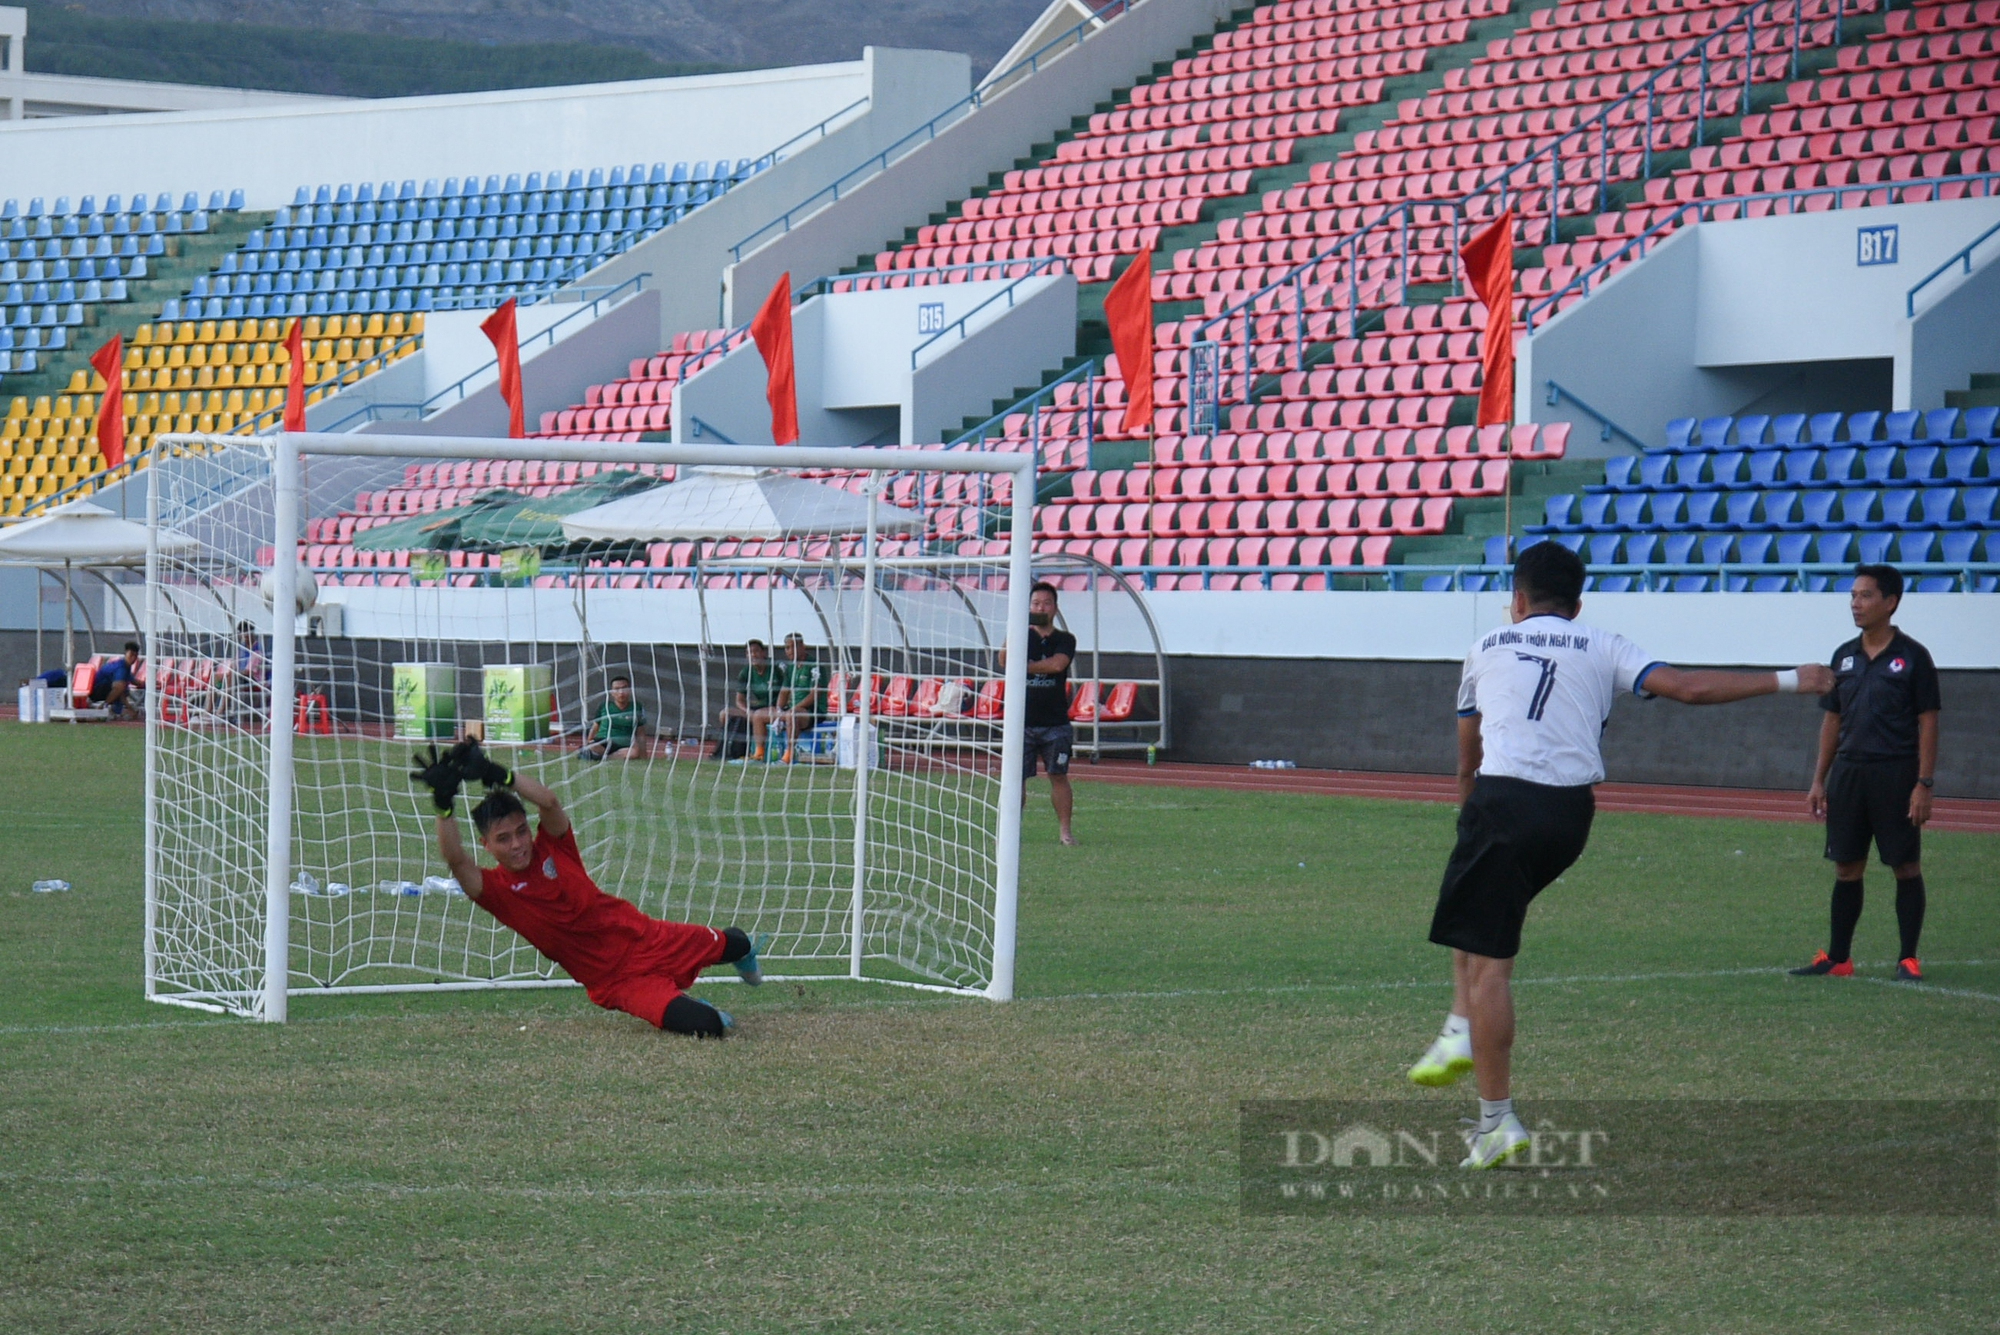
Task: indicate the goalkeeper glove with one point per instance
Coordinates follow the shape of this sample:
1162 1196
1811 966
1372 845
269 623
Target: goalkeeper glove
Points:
474 763
441 774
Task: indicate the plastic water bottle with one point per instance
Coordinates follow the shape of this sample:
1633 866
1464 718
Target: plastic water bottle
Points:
50 887
441 885
410 888
1152 754
305 884
338 889
1274 764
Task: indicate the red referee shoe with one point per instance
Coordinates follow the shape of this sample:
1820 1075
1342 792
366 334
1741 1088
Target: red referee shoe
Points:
1909 971
1823 965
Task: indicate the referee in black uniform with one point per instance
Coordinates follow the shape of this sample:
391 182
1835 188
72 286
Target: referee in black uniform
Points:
1877 759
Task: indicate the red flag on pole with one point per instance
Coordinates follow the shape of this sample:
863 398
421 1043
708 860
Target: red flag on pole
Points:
1489 270
772 328
295 377
500 329
109 362
1128 309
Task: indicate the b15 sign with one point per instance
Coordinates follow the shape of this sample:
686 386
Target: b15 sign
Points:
1876 245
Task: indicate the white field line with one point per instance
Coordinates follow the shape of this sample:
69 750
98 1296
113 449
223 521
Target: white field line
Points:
1561 980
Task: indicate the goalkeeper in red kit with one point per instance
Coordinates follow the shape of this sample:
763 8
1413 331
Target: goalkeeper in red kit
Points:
625 960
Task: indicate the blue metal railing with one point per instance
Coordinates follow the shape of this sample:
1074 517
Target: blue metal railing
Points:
1606 427
929 130
1033 406
1964 256
1390 235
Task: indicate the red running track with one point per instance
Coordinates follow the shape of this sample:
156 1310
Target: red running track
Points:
1947 813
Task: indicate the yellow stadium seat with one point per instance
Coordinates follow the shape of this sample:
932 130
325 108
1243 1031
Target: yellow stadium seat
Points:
41 408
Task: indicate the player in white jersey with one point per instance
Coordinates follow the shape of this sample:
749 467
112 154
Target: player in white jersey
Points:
1531 709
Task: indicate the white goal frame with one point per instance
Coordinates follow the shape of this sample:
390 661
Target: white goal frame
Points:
288 449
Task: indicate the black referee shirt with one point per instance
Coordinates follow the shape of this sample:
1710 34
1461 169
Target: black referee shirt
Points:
1878 699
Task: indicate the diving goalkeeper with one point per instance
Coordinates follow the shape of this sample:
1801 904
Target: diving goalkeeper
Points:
625 960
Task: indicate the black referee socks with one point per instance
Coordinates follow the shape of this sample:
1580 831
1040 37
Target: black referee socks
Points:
1910 914
1846 913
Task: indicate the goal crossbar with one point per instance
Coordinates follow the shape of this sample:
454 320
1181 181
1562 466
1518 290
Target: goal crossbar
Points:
287 451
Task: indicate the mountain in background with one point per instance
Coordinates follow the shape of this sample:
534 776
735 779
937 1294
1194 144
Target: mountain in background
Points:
389 48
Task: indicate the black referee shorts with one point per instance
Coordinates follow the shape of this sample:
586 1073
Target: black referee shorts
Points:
1868 801
1514 837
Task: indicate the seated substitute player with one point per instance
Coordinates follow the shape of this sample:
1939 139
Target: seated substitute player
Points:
625 960
1050 737
619 726
1878 749
1532 705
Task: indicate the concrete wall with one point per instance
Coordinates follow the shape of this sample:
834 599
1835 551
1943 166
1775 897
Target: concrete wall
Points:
269 152
1771 314
1957 335
906 88
851 355
961 157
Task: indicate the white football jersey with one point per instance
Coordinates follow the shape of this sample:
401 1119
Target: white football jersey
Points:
1542 690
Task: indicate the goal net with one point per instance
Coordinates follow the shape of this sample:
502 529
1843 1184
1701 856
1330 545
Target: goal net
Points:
766 683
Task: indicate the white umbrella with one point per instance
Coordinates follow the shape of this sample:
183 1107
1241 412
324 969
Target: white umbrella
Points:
79 534
733 503
85 534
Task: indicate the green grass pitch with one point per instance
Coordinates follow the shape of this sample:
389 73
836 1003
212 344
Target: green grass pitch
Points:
865 1159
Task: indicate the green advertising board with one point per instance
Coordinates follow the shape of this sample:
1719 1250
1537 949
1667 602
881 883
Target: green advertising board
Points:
426 701
520 698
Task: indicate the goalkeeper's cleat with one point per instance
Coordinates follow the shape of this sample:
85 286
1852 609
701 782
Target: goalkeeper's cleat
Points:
728 1021
1909 970
1448 1059
1490 1149
747 967
1822 965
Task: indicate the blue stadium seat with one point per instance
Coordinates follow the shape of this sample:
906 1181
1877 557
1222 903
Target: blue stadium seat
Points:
1976 509
1959 461
1640 549
1837 463
1754 548
1742 507
1591 513
1878 463
1785 428
1750 429
1801 467
1611 583
1822 427
1792 548
1979 423
1715 432
1781 510
1725 470
1940 424
1556 512
1618 474
1833 548
1715 548
1957 546
1913 547
1677 549
1920 463
1655 471
1897 502
1680 432
1900 428
1692 584
1602 549
1872 548
1628 511
1938 504
1700 511
1496 550
1857 507
1769 584
1815 509
1861 426
1573 541
1762 467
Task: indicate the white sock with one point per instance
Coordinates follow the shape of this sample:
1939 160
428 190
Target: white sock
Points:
1456 1026
1492 1112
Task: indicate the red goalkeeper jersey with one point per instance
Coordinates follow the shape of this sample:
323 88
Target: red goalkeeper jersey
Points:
599 939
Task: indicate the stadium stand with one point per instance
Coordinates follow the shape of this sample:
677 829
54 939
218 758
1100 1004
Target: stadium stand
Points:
1827 489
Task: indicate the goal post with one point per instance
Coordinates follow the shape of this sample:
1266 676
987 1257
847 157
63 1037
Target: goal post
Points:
585 607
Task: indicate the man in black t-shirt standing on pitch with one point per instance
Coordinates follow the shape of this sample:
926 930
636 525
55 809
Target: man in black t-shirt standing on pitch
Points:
1050 738
1878 749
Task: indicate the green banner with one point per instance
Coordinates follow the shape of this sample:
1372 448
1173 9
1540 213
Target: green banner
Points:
426 701
519 702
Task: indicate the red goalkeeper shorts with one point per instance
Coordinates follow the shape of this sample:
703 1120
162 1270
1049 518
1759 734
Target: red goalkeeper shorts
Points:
657 972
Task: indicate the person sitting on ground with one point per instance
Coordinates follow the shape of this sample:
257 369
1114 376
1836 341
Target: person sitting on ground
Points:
114 682
626 960
620 723
756 702
804 696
